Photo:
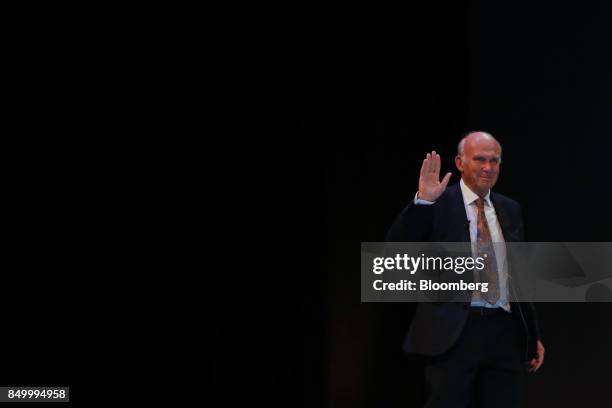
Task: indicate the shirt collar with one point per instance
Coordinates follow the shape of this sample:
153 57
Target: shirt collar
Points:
469 196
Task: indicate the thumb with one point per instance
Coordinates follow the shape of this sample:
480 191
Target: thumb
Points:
446 179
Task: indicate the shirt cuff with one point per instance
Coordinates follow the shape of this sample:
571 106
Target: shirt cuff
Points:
420 201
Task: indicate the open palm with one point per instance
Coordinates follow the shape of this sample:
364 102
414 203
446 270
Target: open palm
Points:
430 186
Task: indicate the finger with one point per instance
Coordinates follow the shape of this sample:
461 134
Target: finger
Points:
541 360
446 179
436 162
531 366
428 160
424 167
434 159
538 362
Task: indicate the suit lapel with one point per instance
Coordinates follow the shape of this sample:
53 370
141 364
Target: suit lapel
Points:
458 215
504 219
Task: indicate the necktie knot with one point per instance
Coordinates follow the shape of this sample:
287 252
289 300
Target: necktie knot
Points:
480 203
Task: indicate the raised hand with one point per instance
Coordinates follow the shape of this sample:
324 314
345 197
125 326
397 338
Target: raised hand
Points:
430 186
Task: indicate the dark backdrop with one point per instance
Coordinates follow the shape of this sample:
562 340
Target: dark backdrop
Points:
385 83
115 250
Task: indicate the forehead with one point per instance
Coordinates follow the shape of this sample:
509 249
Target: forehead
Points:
484 146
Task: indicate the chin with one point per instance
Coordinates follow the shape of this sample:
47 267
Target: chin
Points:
484 187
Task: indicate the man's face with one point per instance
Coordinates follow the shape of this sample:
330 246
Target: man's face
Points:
479 165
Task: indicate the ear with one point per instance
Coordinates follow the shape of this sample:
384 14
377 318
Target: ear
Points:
459 163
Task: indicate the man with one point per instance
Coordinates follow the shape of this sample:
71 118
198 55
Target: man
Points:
475 351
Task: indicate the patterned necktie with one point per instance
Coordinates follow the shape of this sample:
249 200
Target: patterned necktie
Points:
485 249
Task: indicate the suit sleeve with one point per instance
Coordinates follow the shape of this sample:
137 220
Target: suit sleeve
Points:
413 224
521 227
529 305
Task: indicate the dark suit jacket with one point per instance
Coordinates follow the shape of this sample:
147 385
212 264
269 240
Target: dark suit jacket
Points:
437 326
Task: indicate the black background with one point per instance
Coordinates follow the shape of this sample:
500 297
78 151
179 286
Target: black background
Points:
123 152
386 83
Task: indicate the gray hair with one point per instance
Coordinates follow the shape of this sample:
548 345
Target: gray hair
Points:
461 145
